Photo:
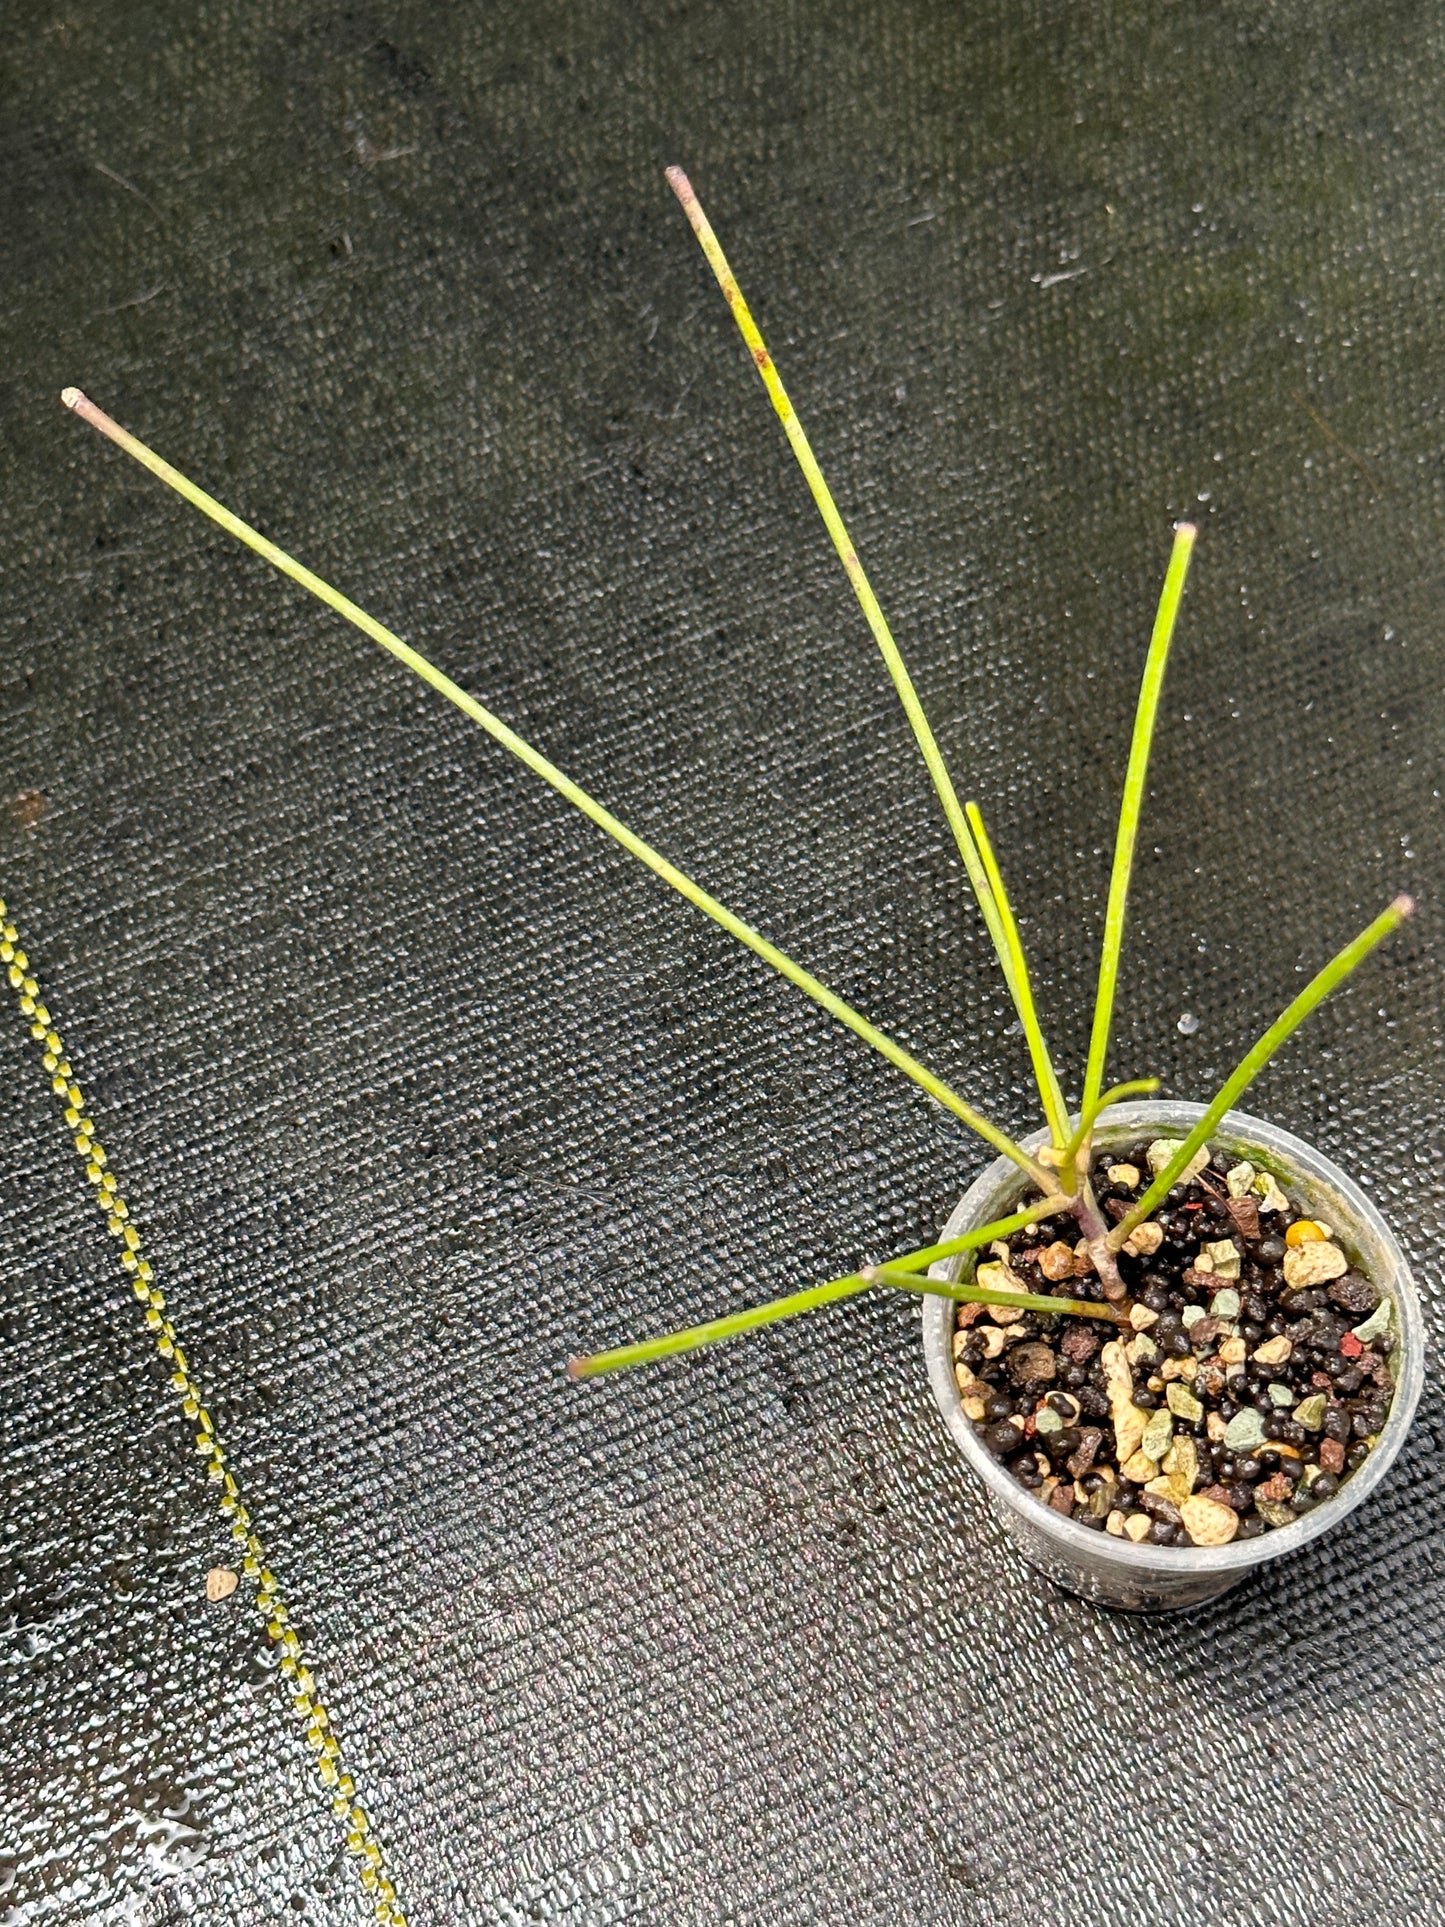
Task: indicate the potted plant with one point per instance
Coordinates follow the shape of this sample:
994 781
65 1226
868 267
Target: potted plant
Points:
1191 1343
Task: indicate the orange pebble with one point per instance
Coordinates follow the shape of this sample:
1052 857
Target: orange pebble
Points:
1304 1231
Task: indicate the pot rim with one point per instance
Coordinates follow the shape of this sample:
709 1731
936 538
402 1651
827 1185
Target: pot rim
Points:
1238 1131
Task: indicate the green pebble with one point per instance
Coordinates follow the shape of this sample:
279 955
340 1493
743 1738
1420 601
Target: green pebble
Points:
1182 1402
1225 1304
1310 1412
1274 1513
1048 1420
1158 1435
1244 1431
1191 1315
1225 1254
1376 1325
1281 1394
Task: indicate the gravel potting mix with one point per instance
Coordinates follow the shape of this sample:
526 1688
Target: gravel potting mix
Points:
1251 1379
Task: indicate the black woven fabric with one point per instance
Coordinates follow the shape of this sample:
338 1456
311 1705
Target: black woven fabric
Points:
417 1085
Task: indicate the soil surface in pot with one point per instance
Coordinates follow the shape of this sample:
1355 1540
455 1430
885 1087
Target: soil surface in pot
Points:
1252 1379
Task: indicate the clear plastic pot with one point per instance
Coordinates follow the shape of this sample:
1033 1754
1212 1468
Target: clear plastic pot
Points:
1145 1578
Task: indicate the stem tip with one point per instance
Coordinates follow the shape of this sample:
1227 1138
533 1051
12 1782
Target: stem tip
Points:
72 397
1405 905
576 1369
679 183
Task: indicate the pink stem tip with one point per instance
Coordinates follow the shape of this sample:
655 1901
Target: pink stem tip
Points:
691 205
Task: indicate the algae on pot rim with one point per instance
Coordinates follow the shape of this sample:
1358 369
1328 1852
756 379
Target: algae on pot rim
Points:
1107 1246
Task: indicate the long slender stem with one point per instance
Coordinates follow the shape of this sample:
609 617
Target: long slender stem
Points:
984 1295
862 588
1131 804
718 1330
1048 1083
565 787
1255 1059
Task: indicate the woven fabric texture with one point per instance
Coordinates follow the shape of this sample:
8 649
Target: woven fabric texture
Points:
416 1085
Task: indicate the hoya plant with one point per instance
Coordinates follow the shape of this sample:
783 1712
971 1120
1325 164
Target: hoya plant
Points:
1059 1172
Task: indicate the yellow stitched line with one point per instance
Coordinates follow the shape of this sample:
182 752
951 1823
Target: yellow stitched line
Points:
306 1702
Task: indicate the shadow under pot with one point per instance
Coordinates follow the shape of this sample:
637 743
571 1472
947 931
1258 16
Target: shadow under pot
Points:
1115 1560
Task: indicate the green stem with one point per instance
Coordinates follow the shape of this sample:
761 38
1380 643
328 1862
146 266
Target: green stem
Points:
1138 1087
718 1330
565 787
1048 1083
1131 805
984 1295
862 588
1254 1060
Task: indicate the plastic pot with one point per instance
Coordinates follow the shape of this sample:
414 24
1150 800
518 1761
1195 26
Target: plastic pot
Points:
1145 1578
